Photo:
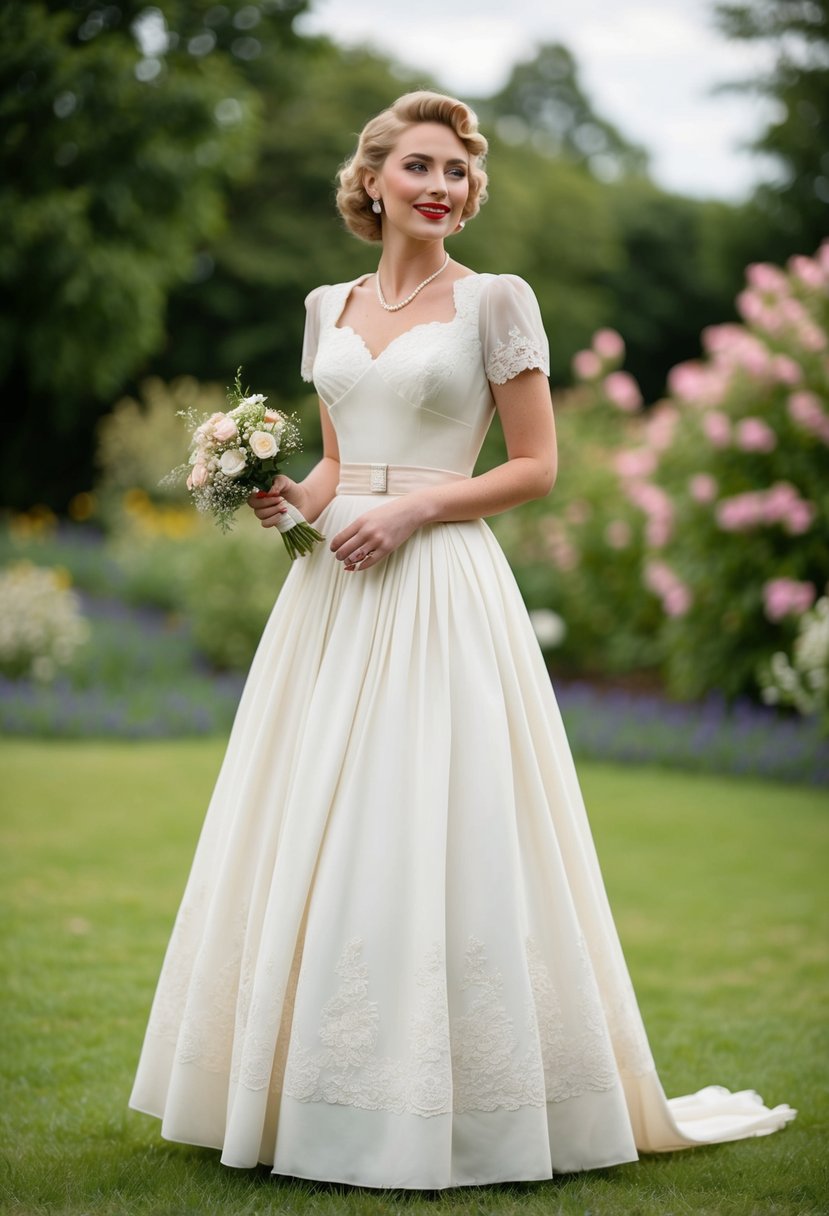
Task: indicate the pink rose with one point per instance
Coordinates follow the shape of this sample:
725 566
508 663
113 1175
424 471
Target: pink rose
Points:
608 344
754 435
586 365
785 597
198 476
225 429
621 390
702 487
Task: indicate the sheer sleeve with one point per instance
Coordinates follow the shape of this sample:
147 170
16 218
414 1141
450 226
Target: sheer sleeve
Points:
313 304
512 332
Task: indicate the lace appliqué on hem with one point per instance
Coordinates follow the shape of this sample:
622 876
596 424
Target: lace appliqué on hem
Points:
518 354
477 1061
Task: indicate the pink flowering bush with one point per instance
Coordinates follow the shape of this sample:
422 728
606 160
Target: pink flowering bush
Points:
691 536
736 505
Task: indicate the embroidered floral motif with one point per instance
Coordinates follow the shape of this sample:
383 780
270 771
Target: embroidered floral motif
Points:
480 1066
518 354
578 1057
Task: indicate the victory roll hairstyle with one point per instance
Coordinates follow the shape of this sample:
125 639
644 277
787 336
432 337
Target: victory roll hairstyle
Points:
379 136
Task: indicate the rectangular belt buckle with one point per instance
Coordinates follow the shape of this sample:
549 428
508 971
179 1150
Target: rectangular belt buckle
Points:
378 478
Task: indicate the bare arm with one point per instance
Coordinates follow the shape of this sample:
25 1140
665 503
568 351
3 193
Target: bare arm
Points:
526 413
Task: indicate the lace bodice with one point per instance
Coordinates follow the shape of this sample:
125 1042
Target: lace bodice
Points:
426 398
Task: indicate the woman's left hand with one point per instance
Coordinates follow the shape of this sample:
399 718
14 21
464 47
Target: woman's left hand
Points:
376 534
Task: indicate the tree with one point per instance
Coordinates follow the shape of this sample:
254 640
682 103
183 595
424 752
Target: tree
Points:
123 127
543 104
796 204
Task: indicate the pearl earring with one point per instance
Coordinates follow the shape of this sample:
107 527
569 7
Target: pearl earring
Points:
375 206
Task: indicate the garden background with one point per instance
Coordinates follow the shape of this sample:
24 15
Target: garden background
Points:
168 201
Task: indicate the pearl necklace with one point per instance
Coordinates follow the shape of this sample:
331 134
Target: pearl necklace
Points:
409 298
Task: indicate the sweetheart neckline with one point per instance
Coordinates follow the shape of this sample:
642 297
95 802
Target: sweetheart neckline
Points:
349 329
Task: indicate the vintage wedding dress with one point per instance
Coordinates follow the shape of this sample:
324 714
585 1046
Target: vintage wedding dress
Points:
395 964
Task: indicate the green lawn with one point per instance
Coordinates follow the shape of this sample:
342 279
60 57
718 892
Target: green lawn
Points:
719 891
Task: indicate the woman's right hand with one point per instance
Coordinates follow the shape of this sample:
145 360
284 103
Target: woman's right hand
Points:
269 505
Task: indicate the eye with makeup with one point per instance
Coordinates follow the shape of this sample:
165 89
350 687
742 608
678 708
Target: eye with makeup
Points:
418 166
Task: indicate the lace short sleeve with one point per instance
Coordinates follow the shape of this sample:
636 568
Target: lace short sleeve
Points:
313 305
512 332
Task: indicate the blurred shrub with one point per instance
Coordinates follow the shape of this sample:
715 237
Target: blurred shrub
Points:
141 441
41 624
745 476
579 552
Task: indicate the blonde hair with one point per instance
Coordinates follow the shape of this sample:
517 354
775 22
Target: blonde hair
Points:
379 136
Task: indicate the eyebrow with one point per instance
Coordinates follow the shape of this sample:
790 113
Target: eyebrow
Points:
453 160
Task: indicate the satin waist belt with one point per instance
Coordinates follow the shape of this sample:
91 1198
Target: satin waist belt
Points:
391 478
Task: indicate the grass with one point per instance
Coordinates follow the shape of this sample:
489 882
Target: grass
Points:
718 887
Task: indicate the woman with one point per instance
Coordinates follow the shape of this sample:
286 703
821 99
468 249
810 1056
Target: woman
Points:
394 964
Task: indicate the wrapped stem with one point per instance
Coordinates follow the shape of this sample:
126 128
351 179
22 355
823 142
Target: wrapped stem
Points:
299 536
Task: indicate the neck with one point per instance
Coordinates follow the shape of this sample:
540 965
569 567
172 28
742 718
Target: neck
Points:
405 264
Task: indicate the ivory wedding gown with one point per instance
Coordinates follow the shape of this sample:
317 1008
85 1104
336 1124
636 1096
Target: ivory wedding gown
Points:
394 964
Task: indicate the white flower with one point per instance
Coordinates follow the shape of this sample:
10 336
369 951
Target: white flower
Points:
232 462
254 399
549 627
263 444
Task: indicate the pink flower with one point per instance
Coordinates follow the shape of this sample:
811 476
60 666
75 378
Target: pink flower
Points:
785 597
702 487
578 511
198 476
765 277
799 517
622 391
618 534
822 256
557 544
808 271
754 435
225 429
785 370
719 338
750 307
811 336
657 506
717 428
663 581
687 380
608 344
586 365
806 410
740 513
635 462
660 426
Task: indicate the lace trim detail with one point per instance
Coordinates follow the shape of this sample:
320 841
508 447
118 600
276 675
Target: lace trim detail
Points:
480 1065
518 354
578 1056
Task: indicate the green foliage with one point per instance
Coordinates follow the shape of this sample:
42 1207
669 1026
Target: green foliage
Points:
114 167
745 472
543 104
797 33
141 440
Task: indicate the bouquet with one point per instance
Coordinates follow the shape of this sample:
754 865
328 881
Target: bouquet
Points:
238 452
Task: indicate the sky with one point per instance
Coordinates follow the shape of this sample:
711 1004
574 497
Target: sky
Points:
648 66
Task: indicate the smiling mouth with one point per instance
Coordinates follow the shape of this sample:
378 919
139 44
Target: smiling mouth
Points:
432 211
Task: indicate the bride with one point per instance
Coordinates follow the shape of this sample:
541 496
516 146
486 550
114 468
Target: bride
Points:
394 964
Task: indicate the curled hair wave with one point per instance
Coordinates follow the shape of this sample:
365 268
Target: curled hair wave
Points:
379 136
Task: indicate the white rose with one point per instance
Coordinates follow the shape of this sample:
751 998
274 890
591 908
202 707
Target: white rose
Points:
263 445
232 462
